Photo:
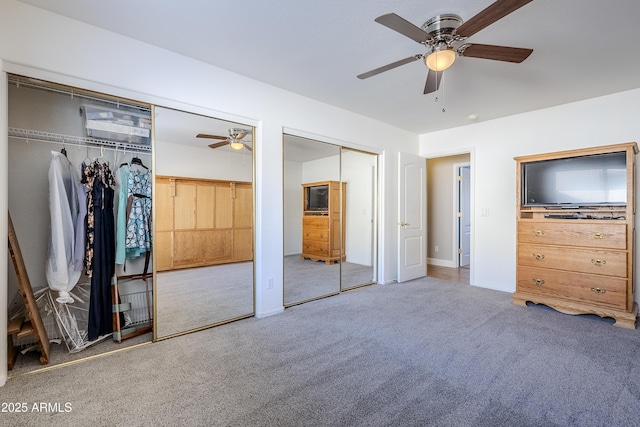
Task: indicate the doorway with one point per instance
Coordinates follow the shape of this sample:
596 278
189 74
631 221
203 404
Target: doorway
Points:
450 216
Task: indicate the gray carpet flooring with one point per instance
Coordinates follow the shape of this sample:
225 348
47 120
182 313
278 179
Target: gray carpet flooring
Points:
196 297
425 352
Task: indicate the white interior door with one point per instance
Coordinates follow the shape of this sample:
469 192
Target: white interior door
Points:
464 216
412 217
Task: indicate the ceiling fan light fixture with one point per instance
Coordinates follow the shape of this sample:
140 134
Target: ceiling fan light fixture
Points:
236 145
440 59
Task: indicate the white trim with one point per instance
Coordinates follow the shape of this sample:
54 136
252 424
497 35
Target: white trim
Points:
441 262
261 315
4 224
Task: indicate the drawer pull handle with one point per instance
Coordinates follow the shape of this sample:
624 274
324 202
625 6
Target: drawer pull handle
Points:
598 262
598 235
538 233
539 257
598 291
538 282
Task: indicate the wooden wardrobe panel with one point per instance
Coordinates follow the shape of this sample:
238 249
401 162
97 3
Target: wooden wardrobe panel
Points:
205 202
164 205
205 222
163 250
243 207
185 206
217 245
223 208
187 248
243 244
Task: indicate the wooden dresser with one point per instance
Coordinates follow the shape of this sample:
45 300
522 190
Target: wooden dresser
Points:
323 236
581 265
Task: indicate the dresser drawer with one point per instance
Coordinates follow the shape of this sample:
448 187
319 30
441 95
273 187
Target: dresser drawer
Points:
610 291
315 222
315 247
315 234
609 263
595 234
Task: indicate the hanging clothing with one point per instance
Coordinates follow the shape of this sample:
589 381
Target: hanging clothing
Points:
64 259
134 213
100 182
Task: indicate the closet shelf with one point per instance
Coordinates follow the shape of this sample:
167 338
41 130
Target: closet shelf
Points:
37 135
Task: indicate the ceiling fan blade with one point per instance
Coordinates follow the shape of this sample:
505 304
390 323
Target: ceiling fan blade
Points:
404 27
247 147
219 144
488 16
433 81
204 135
388 67
498 53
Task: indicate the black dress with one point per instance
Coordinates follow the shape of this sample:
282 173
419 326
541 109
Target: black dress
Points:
101 257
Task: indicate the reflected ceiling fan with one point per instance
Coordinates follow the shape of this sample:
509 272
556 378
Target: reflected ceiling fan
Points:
234 140
444 37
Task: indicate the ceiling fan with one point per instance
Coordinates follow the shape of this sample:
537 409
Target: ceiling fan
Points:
234 140
444 37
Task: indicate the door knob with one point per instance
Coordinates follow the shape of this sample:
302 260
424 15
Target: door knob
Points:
403 223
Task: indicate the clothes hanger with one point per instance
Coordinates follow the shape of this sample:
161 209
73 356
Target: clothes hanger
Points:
136 161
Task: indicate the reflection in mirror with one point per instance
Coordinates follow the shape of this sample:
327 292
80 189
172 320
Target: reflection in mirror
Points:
359 173
312 235
203 223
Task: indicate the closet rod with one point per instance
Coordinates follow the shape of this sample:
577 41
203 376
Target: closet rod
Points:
80 94
36 135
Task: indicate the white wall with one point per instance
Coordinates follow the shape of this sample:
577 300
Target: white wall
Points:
601 121
292 208
40 44
181 160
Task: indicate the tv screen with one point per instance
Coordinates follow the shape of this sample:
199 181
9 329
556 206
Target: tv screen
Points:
318 198
599 179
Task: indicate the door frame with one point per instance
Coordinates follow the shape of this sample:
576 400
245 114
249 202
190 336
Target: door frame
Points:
472 161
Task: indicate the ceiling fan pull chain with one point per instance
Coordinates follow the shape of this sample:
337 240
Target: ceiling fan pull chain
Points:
442 90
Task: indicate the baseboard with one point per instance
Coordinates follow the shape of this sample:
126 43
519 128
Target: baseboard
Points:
269 313
441 262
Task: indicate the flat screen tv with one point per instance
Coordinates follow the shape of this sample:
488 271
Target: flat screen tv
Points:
583 181
317 198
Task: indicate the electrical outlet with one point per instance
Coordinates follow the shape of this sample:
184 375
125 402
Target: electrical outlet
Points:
270 283
436 248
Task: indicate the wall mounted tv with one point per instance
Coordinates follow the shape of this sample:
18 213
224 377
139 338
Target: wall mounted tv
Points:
582 181
317 198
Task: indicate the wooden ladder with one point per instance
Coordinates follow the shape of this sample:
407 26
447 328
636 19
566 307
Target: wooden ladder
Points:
21 327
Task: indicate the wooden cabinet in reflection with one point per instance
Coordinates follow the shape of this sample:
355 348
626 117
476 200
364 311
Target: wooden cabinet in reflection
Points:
323 204
202 222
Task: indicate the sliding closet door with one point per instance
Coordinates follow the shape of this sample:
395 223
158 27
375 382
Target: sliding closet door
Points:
204 270
312 224
359 174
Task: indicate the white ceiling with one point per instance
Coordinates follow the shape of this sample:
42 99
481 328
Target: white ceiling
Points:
582 49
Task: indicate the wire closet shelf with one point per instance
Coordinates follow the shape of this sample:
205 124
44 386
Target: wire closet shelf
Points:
82 141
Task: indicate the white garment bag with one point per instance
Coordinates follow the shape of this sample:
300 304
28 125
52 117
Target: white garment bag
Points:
64 264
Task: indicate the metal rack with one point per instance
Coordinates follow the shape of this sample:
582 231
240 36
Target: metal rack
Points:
36 135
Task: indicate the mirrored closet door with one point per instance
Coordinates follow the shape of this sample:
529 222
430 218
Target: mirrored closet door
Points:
330 219
203 262
359 173
312 232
